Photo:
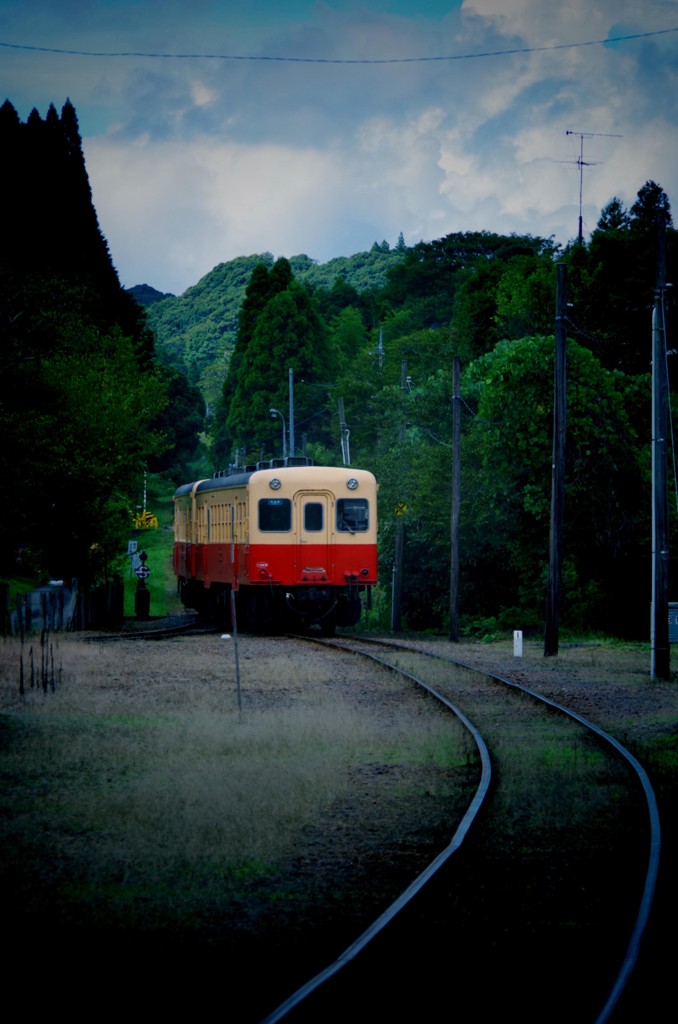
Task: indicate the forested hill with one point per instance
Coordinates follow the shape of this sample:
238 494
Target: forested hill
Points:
374 369
195 332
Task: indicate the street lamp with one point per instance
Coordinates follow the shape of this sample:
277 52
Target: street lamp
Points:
274 413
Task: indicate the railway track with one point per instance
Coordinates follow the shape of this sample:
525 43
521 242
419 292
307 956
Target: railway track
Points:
190 627
543 910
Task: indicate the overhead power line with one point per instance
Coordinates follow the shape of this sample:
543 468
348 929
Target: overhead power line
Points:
336 60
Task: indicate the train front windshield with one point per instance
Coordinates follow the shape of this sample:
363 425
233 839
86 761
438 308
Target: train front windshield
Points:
275 515
353 515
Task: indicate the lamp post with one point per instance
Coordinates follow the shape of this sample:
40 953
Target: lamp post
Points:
274 413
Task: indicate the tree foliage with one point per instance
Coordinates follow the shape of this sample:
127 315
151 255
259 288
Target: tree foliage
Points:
508 448
286 334
613 280
196 333
428 278
83 406
491 300
75 414
84 402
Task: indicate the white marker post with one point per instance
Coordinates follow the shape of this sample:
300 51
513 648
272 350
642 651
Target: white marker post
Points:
517 643
226 636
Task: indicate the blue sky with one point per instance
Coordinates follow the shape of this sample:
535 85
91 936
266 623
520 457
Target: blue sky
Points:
321 127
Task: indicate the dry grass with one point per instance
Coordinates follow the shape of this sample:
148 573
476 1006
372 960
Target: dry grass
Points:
553 775
137 779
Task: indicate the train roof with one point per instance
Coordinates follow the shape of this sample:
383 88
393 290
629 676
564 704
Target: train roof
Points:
239 476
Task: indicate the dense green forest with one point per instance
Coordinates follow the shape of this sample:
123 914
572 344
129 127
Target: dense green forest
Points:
98 384
85 407
387 353
196 332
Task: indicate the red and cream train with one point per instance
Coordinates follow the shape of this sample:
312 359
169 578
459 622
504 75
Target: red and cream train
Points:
295 543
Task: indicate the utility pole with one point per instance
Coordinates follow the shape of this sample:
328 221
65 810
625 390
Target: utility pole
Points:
398 554
380 348
291 399
558 466
456 499
660 666
274 413
344 434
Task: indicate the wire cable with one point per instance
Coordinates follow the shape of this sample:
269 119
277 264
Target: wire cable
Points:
337 60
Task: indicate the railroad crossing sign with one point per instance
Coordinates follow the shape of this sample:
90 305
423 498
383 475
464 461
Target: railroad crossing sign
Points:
400 509
145 521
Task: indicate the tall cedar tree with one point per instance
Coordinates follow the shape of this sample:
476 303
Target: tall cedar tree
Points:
612 281
288 333
262 286
50 225
78 387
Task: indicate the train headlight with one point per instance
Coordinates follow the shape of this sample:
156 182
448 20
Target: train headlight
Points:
274 483
352 483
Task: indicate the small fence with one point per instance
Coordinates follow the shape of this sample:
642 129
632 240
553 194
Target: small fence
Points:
57 607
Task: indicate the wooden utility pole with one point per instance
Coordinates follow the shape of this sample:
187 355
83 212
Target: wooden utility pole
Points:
290 374
456 499
398 554
660 667
558 467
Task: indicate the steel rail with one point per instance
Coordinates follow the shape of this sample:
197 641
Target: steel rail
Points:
654 846
415 887
163 633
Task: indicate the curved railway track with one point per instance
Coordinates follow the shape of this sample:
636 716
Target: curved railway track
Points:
501 957
158 632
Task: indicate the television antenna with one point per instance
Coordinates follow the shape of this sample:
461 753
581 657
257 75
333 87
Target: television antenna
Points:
581 164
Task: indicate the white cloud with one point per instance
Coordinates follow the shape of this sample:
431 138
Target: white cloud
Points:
202 94
545 22
187 208
196 162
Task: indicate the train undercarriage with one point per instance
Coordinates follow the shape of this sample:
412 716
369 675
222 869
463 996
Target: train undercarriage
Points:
267 609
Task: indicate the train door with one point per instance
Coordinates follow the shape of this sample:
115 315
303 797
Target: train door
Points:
312 528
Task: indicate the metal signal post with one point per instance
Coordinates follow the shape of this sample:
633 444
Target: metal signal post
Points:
581 164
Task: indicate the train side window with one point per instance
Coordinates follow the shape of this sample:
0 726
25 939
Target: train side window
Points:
275 515
353 515
313 517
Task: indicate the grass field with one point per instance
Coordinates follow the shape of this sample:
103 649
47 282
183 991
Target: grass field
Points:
157 543
136 793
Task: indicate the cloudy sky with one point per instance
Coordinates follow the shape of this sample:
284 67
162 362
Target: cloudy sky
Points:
220 128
